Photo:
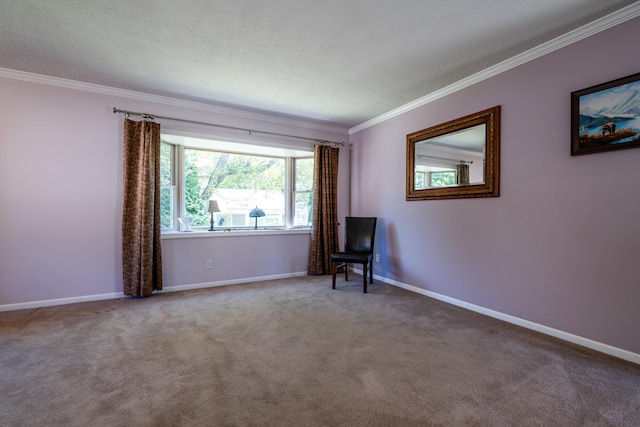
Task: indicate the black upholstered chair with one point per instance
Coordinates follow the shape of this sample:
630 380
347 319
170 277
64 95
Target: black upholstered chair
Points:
359 236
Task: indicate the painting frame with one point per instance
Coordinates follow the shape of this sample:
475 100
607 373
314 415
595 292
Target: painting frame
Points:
598 115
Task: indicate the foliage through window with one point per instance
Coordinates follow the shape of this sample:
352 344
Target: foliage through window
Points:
442 179
280 186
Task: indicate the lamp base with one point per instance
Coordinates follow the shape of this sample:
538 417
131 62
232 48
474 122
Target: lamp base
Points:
211 228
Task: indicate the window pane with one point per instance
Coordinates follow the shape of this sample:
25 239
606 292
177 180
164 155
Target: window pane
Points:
166 207
166 160
304 175
442 179
303 209
167 190
303 196
239 183
419 180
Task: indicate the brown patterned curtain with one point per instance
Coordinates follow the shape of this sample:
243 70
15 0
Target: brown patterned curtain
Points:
141 252
463 174
324 231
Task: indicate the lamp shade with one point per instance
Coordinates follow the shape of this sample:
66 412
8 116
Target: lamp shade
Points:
256 213
213 206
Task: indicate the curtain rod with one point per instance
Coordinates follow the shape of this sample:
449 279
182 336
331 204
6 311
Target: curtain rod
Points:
147 116
424 156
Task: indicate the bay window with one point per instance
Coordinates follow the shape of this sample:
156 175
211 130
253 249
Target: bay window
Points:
277 181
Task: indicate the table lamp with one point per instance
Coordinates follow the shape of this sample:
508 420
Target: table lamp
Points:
211 208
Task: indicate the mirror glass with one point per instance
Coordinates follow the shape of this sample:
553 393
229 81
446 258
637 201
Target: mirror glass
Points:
456 159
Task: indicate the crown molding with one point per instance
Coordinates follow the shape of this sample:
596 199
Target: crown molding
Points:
164 100
611 20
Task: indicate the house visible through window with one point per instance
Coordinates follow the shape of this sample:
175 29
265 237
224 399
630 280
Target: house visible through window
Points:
278 184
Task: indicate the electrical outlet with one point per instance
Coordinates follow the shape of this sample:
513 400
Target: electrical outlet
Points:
209 263
377 257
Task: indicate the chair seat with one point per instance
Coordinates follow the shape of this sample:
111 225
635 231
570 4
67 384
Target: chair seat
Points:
350 257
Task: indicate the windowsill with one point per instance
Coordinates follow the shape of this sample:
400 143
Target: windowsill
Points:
220 232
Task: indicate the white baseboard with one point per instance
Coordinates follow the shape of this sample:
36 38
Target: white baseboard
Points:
59 301
115 295
231 282
566 336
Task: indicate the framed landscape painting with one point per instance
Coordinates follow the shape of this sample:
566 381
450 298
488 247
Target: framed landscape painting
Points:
606 117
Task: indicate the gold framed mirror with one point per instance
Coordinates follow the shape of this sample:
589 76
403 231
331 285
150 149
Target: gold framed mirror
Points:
457 159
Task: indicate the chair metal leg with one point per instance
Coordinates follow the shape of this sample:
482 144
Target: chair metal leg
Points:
364 277
334 269
346 271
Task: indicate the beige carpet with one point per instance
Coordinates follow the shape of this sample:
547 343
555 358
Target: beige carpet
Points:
296 353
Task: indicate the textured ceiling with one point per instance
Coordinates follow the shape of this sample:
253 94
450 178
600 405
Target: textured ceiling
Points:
340 62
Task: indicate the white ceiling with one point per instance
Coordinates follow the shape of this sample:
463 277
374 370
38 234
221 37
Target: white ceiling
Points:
339 62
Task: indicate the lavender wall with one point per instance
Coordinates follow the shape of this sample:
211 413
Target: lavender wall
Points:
561 245
234 257
60 203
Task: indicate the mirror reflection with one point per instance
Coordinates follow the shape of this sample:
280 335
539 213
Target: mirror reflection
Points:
456 159
451 160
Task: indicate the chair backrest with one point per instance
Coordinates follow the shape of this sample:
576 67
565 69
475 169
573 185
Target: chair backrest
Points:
359 234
